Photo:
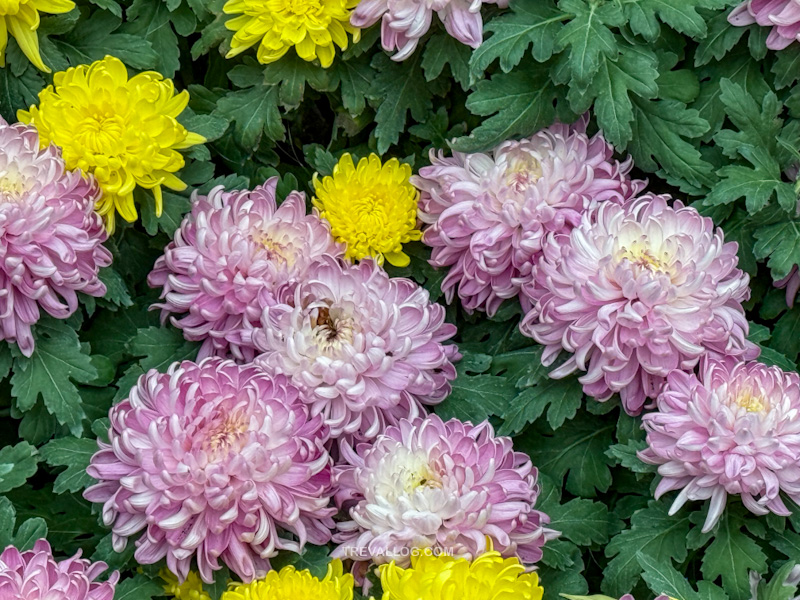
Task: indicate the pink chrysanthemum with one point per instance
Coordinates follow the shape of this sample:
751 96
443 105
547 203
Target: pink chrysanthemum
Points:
489 214
636 292
231 257
365 349
405 22
782 15
50 237
791 283
735 429
36 575
446 486
212 459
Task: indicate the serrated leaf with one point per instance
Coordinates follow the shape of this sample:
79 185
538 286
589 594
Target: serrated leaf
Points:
254 111
556 583
731 555
662 578
73 453
116 289
627 456
562 396
150 22
355 80
780 242
29 532
443 50
313 558
786 66
160 347
292 73
721 38
476 397
17 464
138 587
581 521
530 22
18 92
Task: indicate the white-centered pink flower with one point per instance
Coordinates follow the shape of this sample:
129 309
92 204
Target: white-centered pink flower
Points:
442 485
636 292
734 429
214 461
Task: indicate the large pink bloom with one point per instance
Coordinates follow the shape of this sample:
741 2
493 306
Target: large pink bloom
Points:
429 484
367 350
636 292
405 22
50 235
490 214
214 460
36 575
735 429
231 257
782 15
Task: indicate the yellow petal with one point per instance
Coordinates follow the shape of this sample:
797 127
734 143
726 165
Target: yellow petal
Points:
398 259
3 44
54 7
28 42
125 207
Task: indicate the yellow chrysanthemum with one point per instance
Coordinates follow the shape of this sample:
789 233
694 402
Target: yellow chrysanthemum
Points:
488 577
20 18
290 584
123 130
311 26
372 208
191 589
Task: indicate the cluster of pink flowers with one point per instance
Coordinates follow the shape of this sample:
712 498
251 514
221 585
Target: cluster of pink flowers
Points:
50 236
304 358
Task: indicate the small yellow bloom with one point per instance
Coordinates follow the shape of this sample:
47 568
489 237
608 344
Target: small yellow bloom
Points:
372 208
311 26
191 589
290 584
488 577
123 130
20 18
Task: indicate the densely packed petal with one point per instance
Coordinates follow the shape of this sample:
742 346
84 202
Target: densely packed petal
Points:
190 588
635 292
372 208
233 255
441 577
291 584
50 237
122 130
782 15
214 461
366 350
489 214
312 27
733 429
36 575
443 485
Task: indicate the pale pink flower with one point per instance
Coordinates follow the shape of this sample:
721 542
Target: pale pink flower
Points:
636 292
232 256
50 236
214 461
447 486
490 214
36 575
733 429
366 350
782 15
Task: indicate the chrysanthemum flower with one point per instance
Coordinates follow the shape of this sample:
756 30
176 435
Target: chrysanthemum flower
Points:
291 584
488 577
20 19
231 257
734 429
366 350
215 461
190 589
311 26
36 575
371 207
636 292
405 22
490 214
122 130
50 236
782 15
446 486
791 283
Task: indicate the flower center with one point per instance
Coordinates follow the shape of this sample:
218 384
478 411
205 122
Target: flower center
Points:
13 185
750 401
299 7
226 434
523 171
276 251
331 328
101 132
643 258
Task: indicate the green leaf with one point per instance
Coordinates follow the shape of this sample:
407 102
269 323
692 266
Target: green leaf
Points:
787 66
786 334
56 362
116 290
780 242
588 37
18 92
254 111
8 517
659 143
653 533
530 22
138 587
73 453
626 455
398 89
563 396
721 38
757 185
17 464
731 555
160 347
681 15
523 101
581 521
443 49
662 578
149 21
29 532
355 79
313 558
681 85
556 583
476 397
292 73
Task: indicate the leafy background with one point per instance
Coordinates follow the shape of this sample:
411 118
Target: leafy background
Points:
706 111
